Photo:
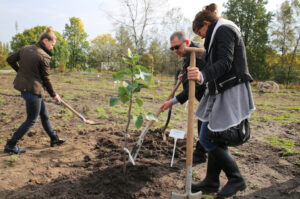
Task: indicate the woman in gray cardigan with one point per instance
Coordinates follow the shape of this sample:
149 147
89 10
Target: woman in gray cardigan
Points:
227 101
32 64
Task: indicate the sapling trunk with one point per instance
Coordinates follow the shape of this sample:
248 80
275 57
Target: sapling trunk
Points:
127 127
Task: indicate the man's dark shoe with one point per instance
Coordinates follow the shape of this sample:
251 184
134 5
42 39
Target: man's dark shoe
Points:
199 158
11 147
55 140
199 155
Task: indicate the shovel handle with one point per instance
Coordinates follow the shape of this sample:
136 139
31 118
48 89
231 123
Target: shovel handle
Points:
73 110
189 142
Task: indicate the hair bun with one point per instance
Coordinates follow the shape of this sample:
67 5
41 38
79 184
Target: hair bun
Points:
49 29
211 7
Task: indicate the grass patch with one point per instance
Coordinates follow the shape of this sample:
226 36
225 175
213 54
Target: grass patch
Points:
65 114
101 112
1 100
15 127
267 117
12 160
2 141
287 145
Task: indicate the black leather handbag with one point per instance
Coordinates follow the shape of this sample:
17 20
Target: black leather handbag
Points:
233 136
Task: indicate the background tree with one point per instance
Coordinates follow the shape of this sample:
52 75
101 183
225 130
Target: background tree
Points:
4 51
27 37
253 19
156 50
138 16
32 36
174 20
78 45
60 52
285 34
102 51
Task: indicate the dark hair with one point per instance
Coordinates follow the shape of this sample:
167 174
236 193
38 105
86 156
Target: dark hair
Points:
49 34
182 36
208 13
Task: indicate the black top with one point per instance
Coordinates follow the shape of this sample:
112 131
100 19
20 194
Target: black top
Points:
200 63
226 60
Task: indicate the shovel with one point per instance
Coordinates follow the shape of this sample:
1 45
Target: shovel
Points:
189 141
137 147
78 114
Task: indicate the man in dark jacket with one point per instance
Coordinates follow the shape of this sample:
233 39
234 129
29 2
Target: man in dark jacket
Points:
178 41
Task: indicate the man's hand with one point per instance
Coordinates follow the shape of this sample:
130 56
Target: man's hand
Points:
57 98
194 74
180 77
165 105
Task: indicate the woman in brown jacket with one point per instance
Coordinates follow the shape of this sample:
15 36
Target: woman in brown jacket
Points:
32 64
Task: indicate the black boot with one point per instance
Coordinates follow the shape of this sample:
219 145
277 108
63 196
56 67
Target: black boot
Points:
211 182
199 155
235 181
11 147
55 140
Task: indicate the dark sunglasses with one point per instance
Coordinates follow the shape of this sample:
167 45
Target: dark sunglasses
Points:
176 47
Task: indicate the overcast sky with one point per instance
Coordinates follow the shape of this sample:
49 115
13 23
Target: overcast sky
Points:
30 13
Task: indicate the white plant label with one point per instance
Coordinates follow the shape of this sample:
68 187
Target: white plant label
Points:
175 133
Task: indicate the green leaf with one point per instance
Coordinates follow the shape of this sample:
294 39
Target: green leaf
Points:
146 76
129 53
144 86
150 116
133 87
113 101
125 84
127 61
123 94
119 75
139 101
138 121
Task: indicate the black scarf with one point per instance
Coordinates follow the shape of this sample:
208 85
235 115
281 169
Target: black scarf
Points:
42 46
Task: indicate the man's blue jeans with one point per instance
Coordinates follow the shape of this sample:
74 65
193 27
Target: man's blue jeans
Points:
204 141
35 106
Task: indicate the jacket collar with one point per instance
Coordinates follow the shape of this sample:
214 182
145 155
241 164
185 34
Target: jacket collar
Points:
214 29
208 35
42 46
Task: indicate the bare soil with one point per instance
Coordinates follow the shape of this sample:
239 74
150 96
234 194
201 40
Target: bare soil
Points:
89 164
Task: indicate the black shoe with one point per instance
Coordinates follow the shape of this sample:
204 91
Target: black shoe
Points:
55 140
199 155
199 158
11 147
226 162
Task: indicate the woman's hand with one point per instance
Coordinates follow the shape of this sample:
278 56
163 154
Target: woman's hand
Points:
194 74
57 98
165 105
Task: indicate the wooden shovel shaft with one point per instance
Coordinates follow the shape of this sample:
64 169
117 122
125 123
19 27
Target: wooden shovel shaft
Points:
189 142
71 109
195 50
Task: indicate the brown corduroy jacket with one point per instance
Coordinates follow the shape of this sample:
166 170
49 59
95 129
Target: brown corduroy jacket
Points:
32 64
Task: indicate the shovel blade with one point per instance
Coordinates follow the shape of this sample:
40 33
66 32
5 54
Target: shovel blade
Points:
197 195
91 122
